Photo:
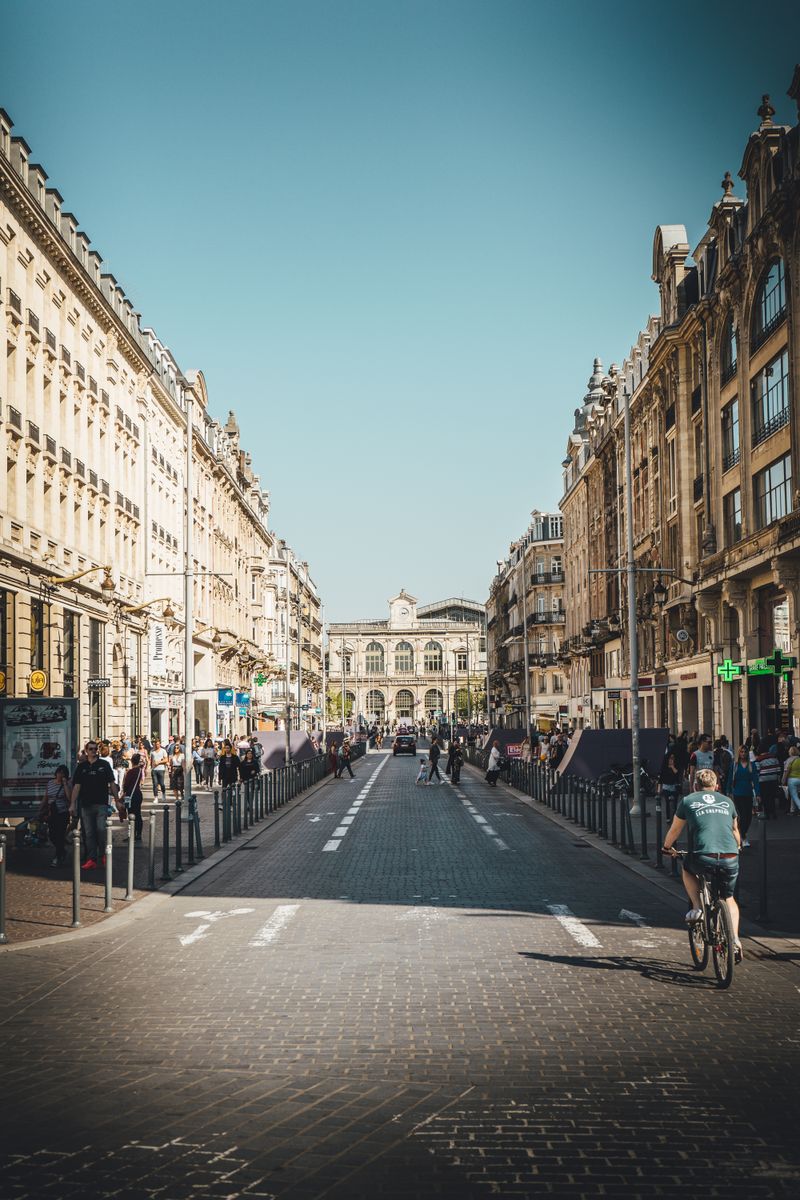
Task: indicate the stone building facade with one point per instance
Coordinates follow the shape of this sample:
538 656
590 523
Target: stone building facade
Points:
93 412
422 663
526 604
713 385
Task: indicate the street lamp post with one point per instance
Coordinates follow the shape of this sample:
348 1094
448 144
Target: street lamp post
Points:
525 656
188 606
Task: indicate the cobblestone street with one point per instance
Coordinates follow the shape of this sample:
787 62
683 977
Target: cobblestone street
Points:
399 991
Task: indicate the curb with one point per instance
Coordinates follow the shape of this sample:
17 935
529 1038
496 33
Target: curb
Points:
139 908
772 942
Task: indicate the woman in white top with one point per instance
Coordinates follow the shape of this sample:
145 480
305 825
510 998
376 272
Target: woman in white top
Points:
158 768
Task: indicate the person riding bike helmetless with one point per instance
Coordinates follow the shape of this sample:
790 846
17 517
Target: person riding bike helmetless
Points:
715 842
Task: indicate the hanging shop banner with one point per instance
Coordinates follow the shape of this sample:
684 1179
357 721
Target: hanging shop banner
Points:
225 697
35 736
158 654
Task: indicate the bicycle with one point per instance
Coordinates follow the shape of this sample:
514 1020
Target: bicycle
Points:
713 932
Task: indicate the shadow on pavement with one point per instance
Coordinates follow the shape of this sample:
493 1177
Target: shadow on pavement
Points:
659 970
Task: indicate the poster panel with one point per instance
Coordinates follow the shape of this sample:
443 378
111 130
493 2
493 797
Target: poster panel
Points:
36 734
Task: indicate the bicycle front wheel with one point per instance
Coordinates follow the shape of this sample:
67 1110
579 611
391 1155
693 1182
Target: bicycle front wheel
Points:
722 945
698 946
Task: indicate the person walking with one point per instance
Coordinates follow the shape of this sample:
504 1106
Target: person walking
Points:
92 783
670 780
55 810
434 755
132 793
343 759
229 766
743 788
493 767
158 769
177 767
458 762
769 777
209 762
197 761
791 780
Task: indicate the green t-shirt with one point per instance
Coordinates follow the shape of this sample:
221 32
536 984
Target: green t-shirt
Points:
709 816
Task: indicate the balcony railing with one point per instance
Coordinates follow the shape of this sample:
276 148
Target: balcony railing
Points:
776 422
50 340
730 460
14 302
33 432
727 373
762 335
50 445
14 417
33 321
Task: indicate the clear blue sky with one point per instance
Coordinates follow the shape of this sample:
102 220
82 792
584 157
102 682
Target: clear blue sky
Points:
393 235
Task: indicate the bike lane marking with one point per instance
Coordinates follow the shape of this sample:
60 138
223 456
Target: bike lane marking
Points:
274 925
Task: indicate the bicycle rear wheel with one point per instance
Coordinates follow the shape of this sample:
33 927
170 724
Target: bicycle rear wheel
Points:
722 945
698 946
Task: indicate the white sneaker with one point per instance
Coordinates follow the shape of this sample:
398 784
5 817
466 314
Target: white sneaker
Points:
745 844
694 914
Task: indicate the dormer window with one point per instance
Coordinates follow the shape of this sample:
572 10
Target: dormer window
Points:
769 309
728 351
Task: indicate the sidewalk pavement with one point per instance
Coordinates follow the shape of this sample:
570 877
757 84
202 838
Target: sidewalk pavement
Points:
780 932
39 897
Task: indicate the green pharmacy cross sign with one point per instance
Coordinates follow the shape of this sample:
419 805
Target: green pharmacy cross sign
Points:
776 663
260 679
729 671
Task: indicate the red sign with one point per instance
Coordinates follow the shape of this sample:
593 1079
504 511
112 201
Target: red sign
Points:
514 750
689 675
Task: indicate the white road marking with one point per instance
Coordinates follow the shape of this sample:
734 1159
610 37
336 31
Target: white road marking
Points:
575 928
481 820
488 829
335 842
314 819
210 916
500 844
271 928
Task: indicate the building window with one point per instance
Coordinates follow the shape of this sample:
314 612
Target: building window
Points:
347 664
542 684
433 657
672 477
730 435
769 392
37 636
772 492
770 304
558 683
732 516
373 658
6 642
376 704
461 660
555 567
96 661
728 351
404 704
69 654
403 658
433 702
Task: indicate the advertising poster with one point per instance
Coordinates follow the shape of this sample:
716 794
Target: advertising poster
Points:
35 736
513 750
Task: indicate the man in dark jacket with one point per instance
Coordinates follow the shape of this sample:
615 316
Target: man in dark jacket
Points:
433 757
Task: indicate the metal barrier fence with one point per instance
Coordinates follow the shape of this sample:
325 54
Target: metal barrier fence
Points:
596 806
237 808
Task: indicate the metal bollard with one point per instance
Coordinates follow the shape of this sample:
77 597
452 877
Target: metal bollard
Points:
216 819
131 852
165 872
108 901
195 818
3 848
178 837
151 852
659 832
613 807
247 814
763 906
190 832
76 875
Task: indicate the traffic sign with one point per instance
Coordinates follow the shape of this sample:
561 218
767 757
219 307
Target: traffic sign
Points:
95 682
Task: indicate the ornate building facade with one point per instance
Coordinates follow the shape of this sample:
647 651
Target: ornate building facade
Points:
421 663
93 497
525 619
713 387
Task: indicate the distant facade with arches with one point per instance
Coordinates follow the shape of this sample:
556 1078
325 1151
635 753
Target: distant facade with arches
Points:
412 666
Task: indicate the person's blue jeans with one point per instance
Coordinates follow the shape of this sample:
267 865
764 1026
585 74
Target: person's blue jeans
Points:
794 791
94 819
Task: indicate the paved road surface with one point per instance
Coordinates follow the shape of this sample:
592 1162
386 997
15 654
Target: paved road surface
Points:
398 992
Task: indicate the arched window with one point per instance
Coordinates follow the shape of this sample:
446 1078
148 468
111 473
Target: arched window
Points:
770 303
376 704
373 658
433 702
433 657
403 658
404 703
728 351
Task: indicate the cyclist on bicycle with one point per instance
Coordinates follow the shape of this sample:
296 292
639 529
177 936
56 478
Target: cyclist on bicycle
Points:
714 840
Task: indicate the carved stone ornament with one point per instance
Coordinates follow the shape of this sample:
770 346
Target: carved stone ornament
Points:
12 450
